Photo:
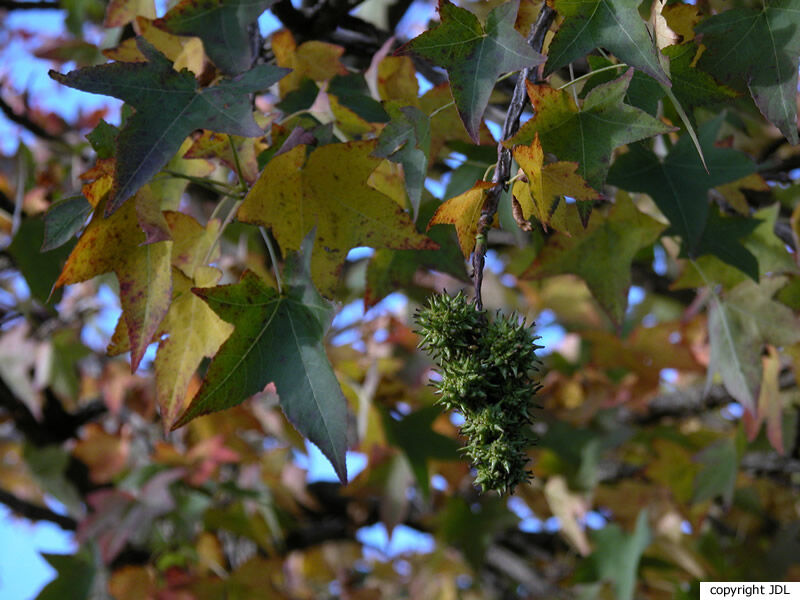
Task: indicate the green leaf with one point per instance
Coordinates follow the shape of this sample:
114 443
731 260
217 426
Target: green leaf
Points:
601 255
474 55
643 92
721 238
407 140
679 185
102 139
616 556
75 575
169 107
38 265
352 92
587 135
735 352
276 339
739 325
718 475
223 25
420 443
691 85
768 249
758 48
63 220
611 24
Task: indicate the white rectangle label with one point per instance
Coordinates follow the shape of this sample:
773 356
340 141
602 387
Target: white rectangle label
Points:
749 590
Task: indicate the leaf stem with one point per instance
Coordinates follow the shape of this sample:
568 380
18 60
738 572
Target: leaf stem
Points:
238 165
228 218
291 116
587 75
273 256
441 108
209 184
572 79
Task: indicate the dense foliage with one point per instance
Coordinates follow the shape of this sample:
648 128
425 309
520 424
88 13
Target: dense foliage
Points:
623 174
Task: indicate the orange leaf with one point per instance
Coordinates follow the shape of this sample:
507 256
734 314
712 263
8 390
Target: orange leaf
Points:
464 211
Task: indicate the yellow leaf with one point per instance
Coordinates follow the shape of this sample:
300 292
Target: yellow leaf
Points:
770 403
217 145
328 192
571 509
681 18
185 52
122 12
191 250
351 124
194 332
318 61
397 80
463 211
735 196
192 243
99 180
117 244
546 187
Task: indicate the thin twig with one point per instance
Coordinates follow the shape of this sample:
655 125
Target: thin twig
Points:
501 174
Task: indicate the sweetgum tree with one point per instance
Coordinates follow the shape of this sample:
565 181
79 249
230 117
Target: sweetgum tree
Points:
621 173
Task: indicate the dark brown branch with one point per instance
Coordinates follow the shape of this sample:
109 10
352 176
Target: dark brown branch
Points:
503 170
35 512
25 122
11 5
56 425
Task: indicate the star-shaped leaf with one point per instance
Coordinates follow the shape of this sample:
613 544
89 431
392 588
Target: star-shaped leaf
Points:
474 55
721 238
679 185
406 139
328 191
223 25
758 48
463 211
547 184
169 106
691 85
587 135
276 339
117 244
601 255
612 24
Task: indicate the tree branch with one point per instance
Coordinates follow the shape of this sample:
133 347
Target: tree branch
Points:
33 5
23 120
34 512
503 169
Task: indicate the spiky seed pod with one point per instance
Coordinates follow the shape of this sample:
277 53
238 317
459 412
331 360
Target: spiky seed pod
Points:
487 370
